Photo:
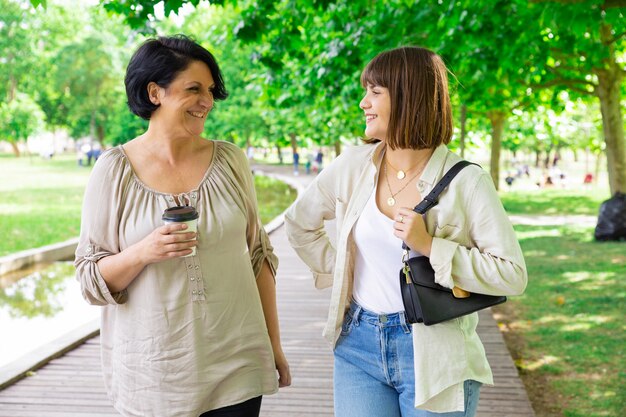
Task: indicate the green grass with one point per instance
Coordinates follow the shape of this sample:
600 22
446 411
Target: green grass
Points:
554 201
571 319
42 200
273 197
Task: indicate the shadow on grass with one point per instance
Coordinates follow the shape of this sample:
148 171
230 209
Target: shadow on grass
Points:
571 317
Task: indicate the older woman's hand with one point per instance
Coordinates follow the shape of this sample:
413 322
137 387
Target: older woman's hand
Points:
166 242
282 366
410 227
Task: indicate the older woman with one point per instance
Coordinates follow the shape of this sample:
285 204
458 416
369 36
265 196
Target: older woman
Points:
182 334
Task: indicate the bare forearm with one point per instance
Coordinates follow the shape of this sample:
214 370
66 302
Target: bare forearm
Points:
121 269
165 242
267 291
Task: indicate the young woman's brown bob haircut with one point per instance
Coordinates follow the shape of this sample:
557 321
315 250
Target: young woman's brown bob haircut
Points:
417 80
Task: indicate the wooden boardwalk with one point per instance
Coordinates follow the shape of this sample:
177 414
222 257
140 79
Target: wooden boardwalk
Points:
71 385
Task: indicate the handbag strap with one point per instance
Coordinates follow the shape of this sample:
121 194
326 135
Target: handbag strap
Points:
432 198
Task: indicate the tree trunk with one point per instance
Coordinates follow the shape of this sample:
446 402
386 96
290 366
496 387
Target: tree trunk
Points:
497 119
337 147
596 174
462 137
92 125
294 142
537 158
279 153
100 135
608 91
16 149
12 87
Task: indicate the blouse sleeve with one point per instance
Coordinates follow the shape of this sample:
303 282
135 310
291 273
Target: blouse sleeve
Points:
493 263
305 223
258 240
99 230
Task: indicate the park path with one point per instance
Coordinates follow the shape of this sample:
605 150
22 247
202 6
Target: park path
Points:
71 385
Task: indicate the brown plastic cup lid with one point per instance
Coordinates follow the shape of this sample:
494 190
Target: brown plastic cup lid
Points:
180 214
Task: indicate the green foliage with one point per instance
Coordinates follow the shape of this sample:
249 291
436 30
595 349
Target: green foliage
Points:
41 201
20 118
273 196
123 125
554 201
139 14
16 47
293 66
89 74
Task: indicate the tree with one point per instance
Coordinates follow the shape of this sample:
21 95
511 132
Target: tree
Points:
16 44
89 75
584 46
501 60
20 118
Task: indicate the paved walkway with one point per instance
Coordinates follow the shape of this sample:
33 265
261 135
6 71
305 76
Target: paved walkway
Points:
71 385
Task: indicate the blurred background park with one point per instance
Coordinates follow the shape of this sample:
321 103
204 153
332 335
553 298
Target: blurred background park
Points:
538 99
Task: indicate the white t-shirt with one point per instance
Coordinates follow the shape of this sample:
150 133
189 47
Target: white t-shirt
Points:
378 261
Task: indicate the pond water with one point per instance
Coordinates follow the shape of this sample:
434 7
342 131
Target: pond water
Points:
39 305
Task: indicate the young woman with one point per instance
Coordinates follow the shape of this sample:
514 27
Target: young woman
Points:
181 335
383 365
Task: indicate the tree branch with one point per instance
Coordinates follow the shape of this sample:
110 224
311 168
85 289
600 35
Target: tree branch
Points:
571 84
614 39
609 4
561 76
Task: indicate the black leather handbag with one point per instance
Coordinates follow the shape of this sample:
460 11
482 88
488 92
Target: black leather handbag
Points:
424 300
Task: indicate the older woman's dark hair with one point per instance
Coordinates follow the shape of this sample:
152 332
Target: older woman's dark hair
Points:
160 60
417 80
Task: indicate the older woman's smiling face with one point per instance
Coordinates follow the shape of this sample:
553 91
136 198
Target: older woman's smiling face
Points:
186 102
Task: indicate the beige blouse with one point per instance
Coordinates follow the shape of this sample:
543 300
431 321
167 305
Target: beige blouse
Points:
188 335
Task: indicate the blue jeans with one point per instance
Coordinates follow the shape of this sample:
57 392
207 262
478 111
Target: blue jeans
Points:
373 375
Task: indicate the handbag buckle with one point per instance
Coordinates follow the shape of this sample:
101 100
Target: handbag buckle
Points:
407 273
405 269
460 293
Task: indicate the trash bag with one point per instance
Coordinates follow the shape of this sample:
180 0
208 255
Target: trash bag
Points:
612 219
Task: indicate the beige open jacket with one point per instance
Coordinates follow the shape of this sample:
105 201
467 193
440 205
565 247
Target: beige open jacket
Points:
474 248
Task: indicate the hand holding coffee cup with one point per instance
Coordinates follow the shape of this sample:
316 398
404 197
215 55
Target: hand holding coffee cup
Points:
183 214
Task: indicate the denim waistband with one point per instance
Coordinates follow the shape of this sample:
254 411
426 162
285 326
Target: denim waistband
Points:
360 314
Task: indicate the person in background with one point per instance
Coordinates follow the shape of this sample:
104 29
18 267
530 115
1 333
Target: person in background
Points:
296 162
383 365
310 158
319 161
181 335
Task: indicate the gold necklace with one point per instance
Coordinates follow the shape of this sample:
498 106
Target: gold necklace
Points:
400 174
391 201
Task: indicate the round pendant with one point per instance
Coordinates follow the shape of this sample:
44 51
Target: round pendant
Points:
391 201
400 175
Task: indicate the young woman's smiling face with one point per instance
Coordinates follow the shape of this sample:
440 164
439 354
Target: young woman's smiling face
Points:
186 102
377 107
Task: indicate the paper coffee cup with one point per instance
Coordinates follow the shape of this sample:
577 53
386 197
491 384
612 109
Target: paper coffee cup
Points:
183 214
